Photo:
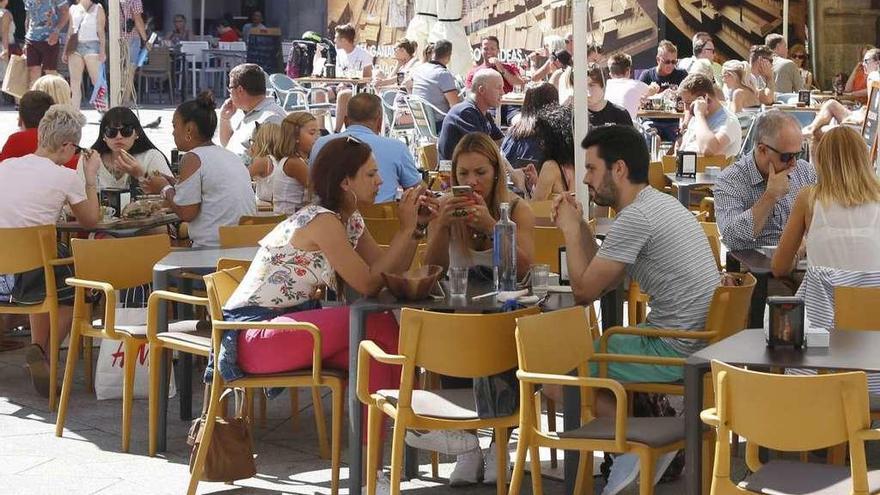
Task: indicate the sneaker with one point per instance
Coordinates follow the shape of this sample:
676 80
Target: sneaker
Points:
490 469
662 464
623 472
467 469
39 369
449 442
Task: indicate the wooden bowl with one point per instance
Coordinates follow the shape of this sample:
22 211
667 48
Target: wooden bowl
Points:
413 285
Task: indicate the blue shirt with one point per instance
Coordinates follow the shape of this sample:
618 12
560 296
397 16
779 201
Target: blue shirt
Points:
396 165
464 118
520 152
42 17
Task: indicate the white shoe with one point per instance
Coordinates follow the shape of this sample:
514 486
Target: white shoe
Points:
662 464
467 468
383 484
490 469
623 472
449 442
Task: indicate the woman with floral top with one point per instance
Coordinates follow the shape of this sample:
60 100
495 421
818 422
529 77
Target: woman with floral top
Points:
304 255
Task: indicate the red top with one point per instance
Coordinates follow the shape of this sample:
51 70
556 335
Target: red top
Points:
231 35
508 67
24 143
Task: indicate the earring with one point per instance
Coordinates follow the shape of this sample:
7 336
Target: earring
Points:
188 137
355 196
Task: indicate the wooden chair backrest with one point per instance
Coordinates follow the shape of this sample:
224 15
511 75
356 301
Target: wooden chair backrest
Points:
262 219
27 248
714 237
548 240
541 208
554 343
229 263
656 176
220 285
379 210
233 236
852 308
729 309
383 230
122 263
461 345
789 412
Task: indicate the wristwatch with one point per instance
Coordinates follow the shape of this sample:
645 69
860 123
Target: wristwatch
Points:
165 189
420 232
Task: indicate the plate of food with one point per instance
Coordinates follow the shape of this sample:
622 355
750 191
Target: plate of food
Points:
143 208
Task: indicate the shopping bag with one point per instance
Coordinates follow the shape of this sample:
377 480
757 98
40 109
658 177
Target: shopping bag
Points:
15 81
131 310
100 95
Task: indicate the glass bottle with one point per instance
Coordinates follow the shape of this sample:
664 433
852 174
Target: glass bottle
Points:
504 251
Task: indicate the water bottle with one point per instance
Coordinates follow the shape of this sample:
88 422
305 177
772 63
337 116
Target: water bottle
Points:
504 251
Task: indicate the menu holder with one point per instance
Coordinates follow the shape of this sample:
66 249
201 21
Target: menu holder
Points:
872 119
264 49
686 164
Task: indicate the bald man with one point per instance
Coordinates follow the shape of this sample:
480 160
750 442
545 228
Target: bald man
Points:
472 115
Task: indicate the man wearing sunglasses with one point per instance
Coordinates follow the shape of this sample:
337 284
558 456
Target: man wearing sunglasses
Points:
246 108
662 78
785 72
754 196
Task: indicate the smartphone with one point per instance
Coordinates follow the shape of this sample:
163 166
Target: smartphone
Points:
458 191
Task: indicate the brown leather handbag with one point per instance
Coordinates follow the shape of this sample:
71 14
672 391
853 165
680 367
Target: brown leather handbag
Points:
230 453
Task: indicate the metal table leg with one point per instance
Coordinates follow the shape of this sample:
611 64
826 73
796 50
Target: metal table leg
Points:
357 332
693 446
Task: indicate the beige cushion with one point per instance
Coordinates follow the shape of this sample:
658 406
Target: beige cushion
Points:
456 403
654 432
141 330
199 338
801 478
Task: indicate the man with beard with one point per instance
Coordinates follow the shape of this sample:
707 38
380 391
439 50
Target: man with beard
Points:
655 241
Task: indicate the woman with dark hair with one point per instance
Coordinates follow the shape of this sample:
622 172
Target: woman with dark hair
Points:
126 151
307 254
521 146
214 187
556 135
405 56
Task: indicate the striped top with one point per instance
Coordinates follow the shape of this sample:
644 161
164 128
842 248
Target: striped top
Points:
739 187
668 254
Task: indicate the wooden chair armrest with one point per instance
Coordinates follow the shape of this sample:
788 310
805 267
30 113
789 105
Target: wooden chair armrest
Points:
109 300
614 386
653 332
637 358
710 417
164 295
61 261
868 435
366 351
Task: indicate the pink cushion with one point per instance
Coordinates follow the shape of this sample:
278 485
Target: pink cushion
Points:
275 351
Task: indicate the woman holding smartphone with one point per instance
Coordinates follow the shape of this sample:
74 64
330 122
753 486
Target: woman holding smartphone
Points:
125 151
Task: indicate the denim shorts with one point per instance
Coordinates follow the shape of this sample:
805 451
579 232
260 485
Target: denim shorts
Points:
88 48
134 49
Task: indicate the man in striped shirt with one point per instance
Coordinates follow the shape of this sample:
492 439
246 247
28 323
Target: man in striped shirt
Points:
658 243
754 196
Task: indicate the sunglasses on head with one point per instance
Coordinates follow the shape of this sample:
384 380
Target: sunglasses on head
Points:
353 140
125 131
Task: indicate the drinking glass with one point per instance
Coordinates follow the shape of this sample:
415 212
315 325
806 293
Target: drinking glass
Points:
540 279
458 281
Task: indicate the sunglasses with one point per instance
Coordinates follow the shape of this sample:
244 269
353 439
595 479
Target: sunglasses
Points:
669 62
125 131
77 148
868 61
353 140
783 157
799 56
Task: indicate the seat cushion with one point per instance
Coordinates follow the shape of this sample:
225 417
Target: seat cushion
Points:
183 326
654 432
802 478
456 403
197 338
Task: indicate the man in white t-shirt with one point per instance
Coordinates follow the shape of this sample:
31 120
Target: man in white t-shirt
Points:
833 110
351 61
245 109
622 89
710 128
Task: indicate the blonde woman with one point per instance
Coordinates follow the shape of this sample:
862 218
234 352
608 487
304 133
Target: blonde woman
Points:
739 89
87 21
838 219
265 152
290 180
56 87
461 235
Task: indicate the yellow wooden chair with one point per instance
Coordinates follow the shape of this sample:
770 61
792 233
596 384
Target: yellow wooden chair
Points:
854 310
379 210
220 287
714 237
30 248
728 314
461 345
108 265
780 412
262 219
234 236
542 209
383 230
550 346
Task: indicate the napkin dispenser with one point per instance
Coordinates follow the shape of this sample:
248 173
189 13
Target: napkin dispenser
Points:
686 164
784 322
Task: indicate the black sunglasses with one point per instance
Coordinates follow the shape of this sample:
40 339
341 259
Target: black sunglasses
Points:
125 131
353 140
783 157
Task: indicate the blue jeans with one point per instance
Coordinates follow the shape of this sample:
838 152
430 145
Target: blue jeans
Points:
227 361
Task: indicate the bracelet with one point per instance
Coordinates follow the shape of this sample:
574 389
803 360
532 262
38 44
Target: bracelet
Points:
165 189
420 232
